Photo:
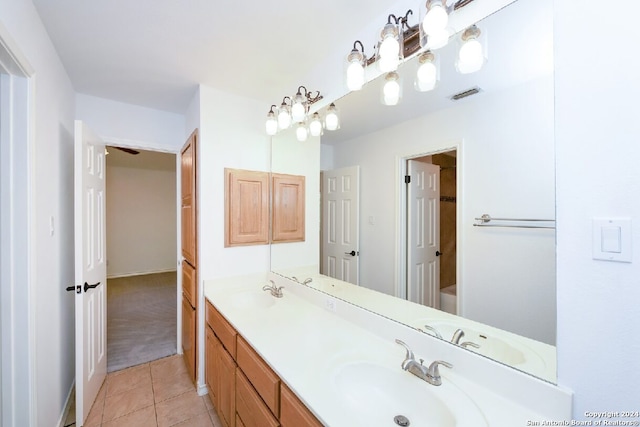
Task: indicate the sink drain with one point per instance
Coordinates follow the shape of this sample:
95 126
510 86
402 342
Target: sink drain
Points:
401 420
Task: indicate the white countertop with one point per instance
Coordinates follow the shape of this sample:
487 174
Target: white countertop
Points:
308 345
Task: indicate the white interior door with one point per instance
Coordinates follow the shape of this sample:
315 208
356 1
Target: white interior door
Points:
423 233
90 268
341 223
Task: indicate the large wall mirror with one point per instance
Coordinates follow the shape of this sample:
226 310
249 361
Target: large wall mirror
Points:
491 153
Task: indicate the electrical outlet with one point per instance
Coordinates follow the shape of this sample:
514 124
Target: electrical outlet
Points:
330 305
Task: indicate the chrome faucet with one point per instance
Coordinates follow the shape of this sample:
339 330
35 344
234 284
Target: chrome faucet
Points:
275 291
305 282
457 335
434 330
429 374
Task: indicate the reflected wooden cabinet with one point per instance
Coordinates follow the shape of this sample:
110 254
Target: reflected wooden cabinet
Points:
188 199
287 204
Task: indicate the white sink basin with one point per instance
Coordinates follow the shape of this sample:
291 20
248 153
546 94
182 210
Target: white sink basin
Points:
376 394
492 345
253 299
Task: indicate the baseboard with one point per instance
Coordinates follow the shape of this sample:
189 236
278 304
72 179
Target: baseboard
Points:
67 406
139 273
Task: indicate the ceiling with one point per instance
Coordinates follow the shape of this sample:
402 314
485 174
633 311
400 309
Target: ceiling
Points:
154 53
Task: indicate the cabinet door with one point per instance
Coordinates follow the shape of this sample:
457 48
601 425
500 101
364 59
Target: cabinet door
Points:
250 407
189 337
211 371
189 283
288 201
188 198
226 368
246 197
293 413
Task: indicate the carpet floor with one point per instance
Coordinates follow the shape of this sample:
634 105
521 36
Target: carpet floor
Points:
141 319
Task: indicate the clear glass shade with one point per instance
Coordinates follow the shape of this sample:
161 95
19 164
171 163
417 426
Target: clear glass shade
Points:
315 125
299 108
392 89
284 117
472 53
427 73
271 125
332 120
436 18
302 133
389 48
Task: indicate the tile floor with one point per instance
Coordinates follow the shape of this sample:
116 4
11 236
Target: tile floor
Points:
155 394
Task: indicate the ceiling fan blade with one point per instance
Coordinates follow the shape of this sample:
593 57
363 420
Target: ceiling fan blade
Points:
127 150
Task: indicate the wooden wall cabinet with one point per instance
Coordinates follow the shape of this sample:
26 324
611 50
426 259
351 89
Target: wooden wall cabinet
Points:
243 388
287 208
246 198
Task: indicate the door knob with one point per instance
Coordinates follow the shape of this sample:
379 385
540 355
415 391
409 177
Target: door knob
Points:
352 253
78 289
438 253
88 286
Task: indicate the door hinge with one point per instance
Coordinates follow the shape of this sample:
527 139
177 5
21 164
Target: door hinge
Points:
407 179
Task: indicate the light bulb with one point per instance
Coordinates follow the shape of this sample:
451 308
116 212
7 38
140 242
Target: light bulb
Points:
436 18
298 112
284 118
389 49
426 76
271 125
391 89
355 76
301 132
331 120
315 126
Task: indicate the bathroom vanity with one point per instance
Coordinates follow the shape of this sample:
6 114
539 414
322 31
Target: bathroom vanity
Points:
328 362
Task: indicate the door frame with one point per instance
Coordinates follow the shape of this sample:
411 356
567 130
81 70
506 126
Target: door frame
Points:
17 319
150 146
401 215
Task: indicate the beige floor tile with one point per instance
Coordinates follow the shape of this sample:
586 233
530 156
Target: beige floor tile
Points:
168 367
166 388
180 408
214 418
202 420
126 402
145 417
128 379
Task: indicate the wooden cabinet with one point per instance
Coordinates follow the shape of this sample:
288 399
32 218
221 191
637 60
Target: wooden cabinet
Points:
188 196
245 391
288 202
189 337
189 283
246 207
251 409
293 413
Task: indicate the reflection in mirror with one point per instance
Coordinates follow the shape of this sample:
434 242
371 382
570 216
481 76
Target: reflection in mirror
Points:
492 290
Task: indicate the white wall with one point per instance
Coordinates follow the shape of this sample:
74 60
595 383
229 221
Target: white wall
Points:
508 275
51 307
141 220
597 132
131 125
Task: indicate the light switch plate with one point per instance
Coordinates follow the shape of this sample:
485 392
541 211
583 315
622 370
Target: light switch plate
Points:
612 239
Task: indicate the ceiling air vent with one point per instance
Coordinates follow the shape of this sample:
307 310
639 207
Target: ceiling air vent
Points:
465 93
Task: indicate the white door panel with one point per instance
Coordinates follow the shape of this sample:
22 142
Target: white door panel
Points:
340 223
90 269
423 240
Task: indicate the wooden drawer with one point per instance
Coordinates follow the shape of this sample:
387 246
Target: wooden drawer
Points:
249 407
189 283
263 379
293 413
223 329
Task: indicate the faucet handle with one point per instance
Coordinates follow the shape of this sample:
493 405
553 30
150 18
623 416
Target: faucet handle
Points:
408 357
434 373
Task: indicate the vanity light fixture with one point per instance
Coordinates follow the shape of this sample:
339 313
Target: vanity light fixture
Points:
284 114
271 125
332 120
302 133
471 56
356 61
392 89
315 125
390 52
427 73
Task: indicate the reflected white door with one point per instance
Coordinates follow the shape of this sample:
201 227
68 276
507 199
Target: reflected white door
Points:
341 223
90 268
423 234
